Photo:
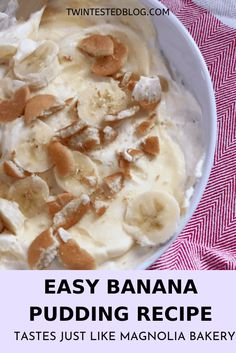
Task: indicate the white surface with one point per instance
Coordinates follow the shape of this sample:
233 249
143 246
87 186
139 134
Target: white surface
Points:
184 55
224 10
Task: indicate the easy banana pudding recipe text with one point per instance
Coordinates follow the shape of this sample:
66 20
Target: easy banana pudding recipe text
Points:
120 313
101 145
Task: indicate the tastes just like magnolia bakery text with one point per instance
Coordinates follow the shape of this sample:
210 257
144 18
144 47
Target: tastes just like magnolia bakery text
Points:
120 313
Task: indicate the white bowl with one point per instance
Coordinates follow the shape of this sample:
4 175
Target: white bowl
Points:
185 57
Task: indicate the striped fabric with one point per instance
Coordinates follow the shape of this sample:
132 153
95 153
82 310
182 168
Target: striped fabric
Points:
219 7
208 242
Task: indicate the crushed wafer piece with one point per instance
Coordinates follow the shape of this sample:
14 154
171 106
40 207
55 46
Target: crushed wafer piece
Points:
42 105
147 92
13 108
118 75
124 114
109 135
43 250
129 80
145 104
97 45
90 180
13 170
113 183
53 207
88 140
73 257
109 65
62 158
147 88
73 111
64 198
144 127
67 58
73 129
99 207
98 194
60 201
127 157
71 213
124 165
69 101
151 145
134 153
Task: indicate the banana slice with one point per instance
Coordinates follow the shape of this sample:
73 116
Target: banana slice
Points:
83 179
25 48
10 247
97 99
7 51
152 217
12 37
10 215
39 67
31 152
30 193
21 29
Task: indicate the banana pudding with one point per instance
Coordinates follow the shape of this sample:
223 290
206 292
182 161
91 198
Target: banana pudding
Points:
94 171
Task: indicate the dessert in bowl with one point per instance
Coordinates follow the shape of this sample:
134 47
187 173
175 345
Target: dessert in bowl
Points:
102 145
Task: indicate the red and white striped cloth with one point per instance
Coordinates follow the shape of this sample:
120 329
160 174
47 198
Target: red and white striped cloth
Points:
208 242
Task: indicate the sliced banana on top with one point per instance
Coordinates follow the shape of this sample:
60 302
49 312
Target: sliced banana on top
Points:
83 179
6 52
152 217
30 193
12 37
31 152
98 99
10 247
39 67
10 216
25 48
106 230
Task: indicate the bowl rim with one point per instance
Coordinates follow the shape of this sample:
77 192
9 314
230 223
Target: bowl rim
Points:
209 158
